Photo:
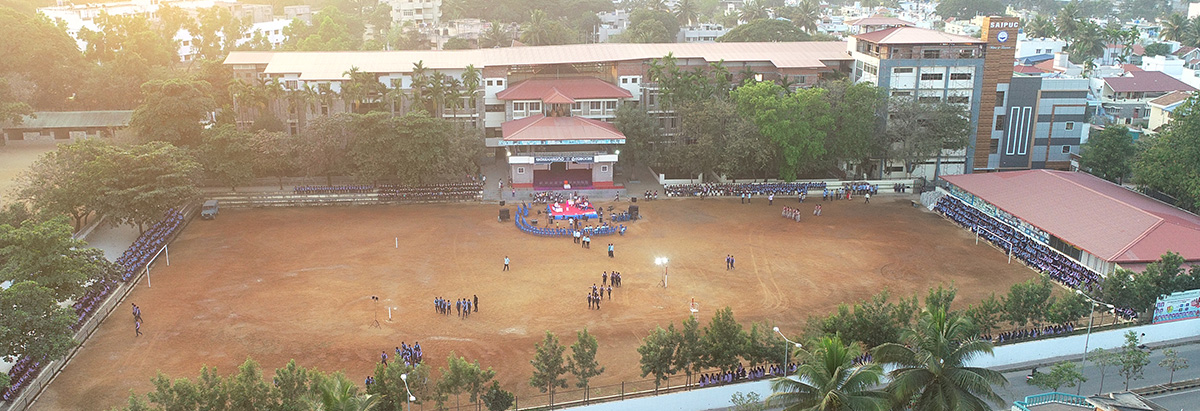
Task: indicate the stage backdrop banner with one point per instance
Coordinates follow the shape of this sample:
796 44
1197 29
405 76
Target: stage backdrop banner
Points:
1183 305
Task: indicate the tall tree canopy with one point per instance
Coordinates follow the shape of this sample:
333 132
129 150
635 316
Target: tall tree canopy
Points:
1171 160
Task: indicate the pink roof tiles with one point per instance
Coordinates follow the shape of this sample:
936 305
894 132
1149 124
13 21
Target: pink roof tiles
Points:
542 128
1146 81
916 35
565 90
878 20
1097 216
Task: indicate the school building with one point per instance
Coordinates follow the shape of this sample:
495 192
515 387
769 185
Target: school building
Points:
546 110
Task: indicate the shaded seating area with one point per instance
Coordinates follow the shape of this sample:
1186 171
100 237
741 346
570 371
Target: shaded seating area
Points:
737 189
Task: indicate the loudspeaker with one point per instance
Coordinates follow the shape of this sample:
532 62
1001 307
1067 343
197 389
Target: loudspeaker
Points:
502 203
504 215
633 212
633 199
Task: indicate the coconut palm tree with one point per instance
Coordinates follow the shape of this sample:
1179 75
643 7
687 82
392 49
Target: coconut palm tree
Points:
1040 27
1191 33
471 79
828 380
496 35
536 31
687 13
1173 27
754 10
339 394
931 371
1068 20
420 81
806 15
658 5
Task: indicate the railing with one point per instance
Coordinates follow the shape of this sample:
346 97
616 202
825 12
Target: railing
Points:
1052 398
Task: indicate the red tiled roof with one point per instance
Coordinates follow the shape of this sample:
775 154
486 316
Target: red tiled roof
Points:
1097 216
1139 50
542 128
1023 69
1146 81
565 90
915 35
1047 66
1129 68
1171 98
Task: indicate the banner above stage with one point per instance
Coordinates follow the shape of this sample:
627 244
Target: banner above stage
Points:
564 159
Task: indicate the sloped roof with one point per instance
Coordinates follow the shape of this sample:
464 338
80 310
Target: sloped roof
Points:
915 35
1037 58
1095 215
1170 100
331 65
542 128
1024 69
879 20
564 90
1146 81
76 119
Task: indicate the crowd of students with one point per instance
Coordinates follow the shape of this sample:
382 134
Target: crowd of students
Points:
462 307
345 189
793 213
861 187
430 192
743 374
1030 333
547 197
1036 255
738 189
133 259
652 195
598 230
899 188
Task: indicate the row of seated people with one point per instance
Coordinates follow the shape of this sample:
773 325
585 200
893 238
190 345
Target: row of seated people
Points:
134 257
547 197
737 189
1034 254
430 192
22 373
523 225
574 183
743 374
861 187
620 217
347 189
1030 333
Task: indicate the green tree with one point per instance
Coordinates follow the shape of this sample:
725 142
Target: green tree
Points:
1102 359
215 32
173 111
331 30
11 110
986 316
658 354
497 399
1040 27
1173 27
324 145
1166 167
641 135
543 31
754 10
1157 49
457 43
686 13
797 123
968 9
764 30
45 252
227 155
69 180
828 380
394 382
1109 154
40 60
1065 373
337 393
1172 361
153 178
854 107
917 132
582 362
750 401
548 366
931 371
649 26
275 154
32 323
1027 302
689 349
496 35
463 376
724 341
1068 308
1131 359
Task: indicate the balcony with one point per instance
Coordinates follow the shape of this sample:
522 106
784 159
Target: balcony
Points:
1053 401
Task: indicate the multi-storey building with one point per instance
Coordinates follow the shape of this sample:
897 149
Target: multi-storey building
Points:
1039 123
420 12
548 109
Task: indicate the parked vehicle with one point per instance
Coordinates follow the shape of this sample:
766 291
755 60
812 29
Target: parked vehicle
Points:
210 210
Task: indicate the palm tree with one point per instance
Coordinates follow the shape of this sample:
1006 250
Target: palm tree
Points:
657 5
931 372
828 380
470 80
1173 27
1191 33
536 32
1068 20
754 10
1040 27
420 80
1088 43
339 394
806 15
495 36
687 13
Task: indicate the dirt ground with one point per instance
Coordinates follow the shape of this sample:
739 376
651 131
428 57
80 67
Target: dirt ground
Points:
278 284
14 160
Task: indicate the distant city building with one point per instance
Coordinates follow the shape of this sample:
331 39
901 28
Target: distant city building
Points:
1125 99
421 12
51 127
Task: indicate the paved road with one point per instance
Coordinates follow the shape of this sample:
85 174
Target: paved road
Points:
1018 389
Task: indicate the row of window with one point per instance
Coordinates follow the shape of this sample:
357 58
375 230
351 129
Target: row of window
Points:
932 76
1002 123
628 80
996 149
934 99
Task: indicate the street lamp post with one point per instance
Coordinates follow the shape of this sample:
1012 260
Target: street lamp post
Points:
785 350
411 398
1088 338
663 262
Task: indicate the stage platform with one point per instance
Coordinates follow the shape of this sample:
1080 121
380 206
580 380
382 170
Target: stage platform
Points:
563 211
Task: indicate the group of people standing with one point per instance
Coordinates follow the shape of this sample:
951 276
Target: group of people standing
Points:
463 306
137 320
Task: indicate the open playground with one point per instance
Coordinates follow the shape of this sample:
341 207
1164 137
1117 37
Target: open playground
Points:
296 283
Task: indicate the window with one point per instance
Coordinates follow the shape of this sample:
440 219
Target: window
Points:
931 54
1066 149
603 169
960 76
999 99
494 108
958 99
576 106
901 94
624 81
535 106
520 170
929 99
1070 125
634 80
610 105
291 84
594 105
15 135
995 149
500 83
1001 120
488 83
902 70
931 76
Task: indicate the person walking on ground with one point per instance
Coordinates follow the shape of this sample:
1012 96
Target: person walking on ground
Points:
771 199
731 262
505 263
137 327
475 303
137 313
383 357
868 197
610 250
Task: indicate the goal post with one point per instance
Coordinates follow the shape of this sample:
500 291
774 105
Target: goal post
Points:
161 251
